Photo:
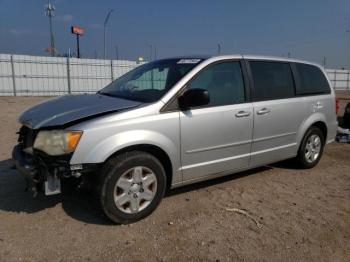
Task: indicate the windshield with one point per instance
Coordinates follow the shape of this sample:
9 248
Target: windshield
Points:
149 82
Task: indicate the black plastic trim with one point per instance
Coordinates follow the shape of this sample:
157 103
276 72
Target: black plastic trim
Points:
24 165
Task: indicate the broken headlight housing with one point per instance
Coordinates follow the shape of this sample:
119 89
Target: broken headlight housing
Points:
57 142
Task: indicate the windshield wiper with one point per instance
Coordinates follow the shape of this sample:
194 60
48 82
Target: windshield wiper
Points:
104 94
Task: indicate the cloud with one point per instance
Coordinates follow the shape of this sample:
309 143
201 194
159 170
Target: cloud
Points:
20 31
96 26
64 18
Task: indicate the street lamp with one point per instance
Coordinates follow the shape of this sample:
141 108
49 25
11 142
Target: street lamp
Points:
104 32
219 48
150 52
117 52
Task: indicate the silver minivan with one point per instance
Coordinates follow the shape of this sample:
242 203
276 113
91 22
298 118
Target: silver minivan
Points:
174 122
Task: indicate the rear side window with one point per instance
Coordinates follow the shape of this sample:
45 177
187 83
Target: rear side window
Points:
224 82
312 80
272 80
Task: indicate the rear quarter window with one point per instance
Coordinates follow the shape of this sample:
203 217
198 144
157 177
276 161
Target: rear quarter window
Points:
312 80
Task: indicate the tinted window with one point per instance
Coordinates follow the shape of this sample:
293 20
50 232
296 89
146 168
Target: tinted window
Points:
224 82
312 80
272 80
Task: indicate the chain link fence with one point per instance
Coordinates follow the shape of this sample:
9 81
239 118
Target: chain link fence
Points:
22 75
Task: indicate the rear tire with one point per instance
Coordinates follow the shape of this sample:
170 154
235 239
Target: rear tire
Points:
131 186
311 148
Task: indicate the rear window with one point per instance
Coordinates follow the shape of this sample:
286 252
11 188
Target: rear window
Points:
272 80
312 80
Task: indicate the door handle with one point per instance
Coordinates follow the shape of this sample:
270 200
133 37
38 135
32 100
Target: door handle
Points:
263 111
242 114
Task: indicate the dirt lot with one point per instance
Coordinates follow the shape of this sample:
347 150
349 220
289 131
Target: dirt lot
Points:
303 215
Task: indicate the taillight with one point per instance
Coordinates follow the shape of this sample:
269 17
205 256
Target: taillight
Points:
336 105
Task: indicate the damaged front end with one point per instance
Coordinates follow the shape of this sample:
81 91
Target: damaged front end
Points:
46 146
43 172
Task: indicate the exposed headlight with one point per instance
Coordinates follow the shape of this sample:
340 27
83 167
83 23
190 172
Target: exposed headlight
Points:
57 142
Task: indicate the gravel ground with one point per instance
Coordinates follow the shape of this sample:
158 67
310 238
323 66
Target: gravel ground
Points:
293 215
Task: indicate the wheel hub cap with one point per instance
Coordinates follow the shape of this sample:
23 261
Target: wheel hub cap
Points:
135 189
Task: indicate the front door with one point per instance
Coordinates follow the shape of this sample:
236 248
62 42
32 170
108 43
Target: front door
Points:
217 137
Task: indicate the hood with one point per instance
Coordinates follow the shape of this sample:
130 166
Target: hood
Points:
67 109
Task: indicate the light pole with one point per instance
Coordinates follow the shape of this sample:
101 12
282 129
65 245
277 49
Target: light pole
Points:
347 30
324 59
150 52
219 48
117 52
104 32
49 12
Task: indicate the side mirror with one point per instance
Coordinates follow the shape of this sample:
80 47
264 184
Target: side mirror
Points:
193 98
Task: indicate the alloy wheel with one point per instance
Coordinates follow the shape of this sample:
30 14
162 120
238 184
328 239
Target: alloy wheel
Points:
312 148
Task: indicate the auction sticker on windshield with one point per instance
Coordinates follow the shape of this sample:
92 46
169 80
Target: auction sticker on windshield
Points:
189 61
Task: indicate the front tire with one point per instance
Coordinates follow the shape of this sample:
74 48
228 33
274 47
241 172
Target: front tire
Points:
311 148
131 186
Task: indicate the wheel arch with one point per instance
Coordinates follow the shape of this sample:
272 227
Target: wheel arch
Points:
317 120
323 127
155 151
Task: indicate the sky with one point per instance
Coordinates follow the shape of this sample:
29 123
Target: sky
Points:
307 29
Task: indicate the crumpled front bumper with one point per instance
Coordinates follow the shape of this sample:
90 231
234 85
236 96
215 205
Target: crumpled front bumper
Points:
24 164
43 172
36 178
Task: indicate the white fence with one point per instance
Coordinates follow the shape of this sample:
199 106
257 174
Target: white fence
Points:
50 76
340 78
